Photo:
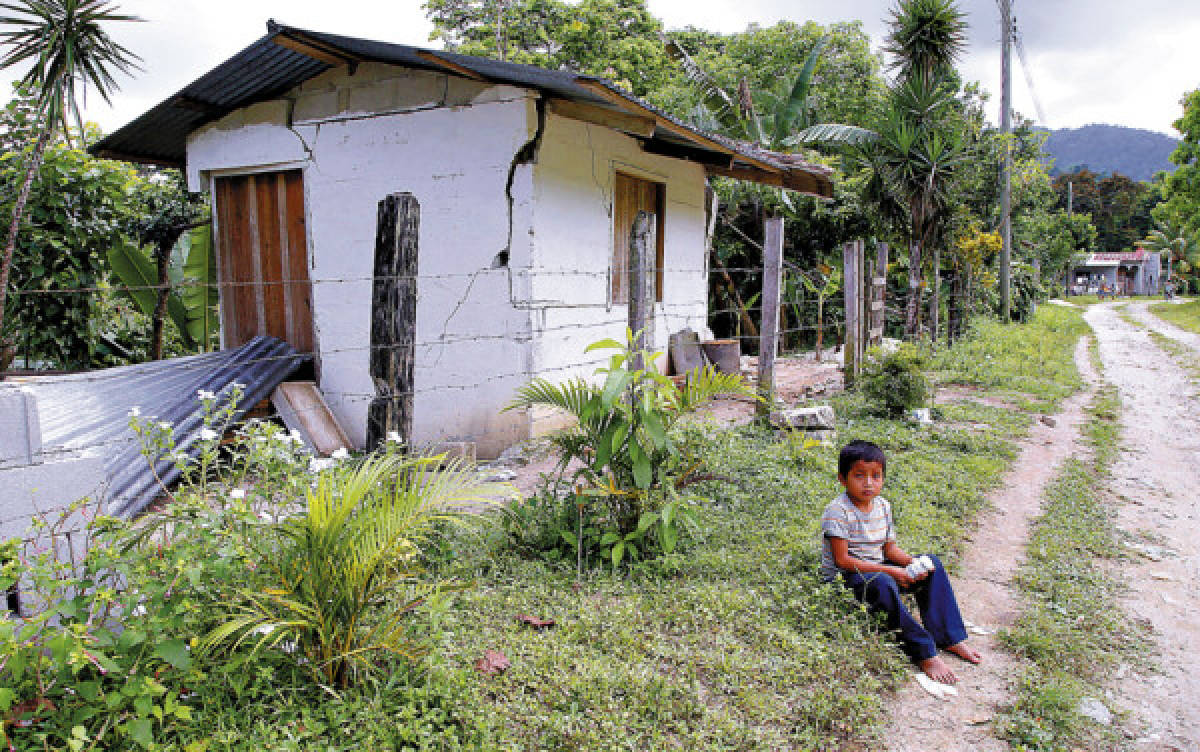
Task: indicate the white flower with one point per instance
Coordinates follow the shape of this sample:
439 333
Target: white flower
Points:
316 465
238 385
340 453
164 425
237 493
207 434
296 437
135 411
204 394
394 437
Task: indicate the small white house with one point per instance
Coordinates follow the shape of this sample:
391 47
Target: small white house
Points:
527 182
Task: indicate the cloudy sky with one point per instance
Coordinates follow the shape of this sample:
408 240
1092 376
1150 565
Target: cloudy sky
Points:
1092 61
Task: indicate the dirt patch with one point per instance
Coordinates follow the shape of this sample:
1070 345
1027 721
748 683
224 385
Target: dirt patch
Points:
962 393
983 585
1156 477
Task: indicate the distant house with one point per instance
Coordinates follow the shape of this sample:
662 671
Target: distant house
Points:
1128 273
527 182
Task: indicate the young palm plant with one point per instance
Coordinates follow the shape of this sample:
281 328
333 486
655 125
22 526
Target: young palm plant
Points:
69 49
346 572
625 461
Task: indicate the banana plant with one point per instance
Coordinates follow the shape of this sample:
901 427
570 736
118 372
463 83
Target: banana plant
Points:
191 305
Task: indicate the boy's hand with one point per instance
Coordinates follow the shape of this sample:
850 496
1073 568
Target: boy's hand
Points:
901 576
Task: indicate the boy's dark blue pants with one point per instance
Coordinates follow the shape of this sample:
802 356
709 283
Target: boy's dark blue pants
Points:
943 624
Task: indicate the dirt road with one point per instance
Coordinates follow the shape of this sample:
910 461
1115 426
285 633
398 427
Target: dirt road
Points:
920 722
1155 476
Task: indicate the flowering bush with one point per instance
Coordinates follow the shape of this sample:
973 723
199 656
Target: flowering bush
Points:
106 654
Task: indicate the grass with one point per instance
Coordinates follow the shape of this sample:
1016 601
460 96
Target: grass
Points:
1185 356
1183 315
1035 372
1087 300
1072 632
731 642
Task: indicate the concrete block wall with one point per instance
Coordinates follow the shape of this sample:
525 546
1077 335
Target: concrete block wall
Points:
451 143
574 239
36 482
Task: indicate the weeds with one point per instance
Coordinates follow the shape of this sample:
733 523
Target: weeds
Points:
1072 631
1183 315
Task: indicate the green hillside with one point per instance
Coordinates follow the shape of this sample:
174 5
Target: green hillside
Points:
1134 152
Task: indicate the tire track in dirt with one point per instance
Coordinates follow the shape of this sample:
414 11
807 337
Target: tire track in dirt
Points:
1156 476
983 584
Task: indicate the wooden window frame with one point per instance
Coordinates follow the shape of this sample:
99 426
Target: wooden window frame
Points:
618 293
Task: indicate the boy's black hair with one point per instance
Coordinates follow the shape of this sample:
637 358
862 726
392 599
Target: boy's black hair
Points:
860 451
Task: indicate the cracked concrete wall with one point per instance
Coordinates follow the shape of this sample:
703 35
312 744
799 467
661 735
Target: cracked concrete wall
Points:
450 142
574 235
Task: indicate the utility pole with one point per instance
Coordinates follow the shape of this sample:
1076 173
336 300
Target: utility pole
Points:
1070 197
1006 181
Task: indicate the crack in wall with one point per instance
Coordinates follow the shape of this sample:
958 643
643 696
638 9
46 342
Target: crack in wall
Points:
527 154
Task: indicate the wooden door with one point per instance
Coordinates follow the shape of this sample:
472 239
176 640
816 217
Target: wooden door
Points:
631 195
263 259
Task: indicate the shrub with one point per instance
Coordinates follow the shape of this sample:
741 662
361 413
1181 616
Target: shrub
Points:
625 467
895 382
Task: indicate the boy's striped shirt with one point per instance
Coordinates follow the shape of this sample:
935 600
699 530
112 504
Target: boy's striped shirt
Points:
865 534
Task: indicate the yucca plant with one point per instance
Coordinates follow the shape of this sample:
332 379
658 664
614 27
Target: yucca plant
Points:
627 467
346 572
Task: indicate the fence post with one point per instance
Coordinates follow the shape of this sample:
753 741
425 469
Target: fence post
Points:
853 289
879 296
394 318
643 248
768 343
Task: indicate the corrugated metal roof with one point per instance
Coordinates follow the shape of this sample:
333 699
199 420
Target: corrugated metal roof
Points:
275 64
90 411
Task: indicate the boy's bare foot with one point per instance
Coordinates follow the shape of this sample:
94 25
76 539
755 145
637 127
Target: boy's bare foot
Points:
966 652
935 668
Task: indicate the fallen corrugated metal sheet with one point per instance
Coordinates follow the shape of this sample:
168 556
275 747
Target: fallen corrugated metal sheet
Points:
90 412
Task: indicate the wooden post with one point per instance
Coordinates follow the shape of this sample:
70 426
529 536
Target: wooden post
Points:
642 251
394 319
852 286
768 341
864 296
879 300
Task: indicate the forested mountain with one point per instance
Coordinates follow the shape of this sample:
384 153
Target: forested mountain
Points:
1107 149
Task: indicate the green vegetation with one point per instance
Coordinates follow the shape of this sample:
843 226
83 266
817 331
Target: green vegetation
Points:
1183 355
1073 630
894 382
1026 363
728 641
1183 315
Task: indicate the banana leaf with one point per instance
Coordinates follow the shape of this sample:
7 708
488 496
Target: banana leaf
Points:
199 290
139 278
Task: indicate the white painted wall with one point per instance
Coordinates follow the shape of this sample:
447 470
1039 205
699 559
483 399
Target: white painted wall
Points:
449 142
573 244
482 328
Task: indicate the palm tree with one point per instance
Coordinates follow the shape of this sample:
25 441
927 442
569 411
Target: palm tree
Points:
69 50
917 150
1176 244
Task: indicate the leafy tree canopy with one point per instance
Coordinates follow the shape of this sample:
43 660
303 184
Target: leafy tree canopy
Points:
618 39
1182 187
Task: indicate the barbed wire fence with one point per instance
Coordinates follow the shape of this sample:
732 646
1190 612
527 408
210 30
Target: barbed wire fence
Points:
742 305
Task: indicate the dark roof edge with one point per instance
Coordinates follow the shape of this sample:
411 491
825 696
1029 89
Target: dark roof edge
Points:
184 112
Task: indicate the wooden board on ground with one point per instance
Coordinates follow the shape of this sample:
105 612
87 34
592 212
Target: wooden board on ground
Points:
303 409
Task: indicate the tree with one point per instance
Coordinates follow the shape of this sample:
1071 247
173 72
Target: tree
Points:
921 146
1180 247
69 49
617 39
1182 187
79 208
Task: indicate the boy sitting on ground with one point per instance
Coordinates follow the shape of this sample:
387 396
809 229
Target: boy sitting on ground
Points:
859 546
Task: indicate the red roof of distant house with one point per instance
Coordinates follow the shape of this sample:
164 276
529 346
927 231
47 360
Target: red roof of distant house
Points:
1138 255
